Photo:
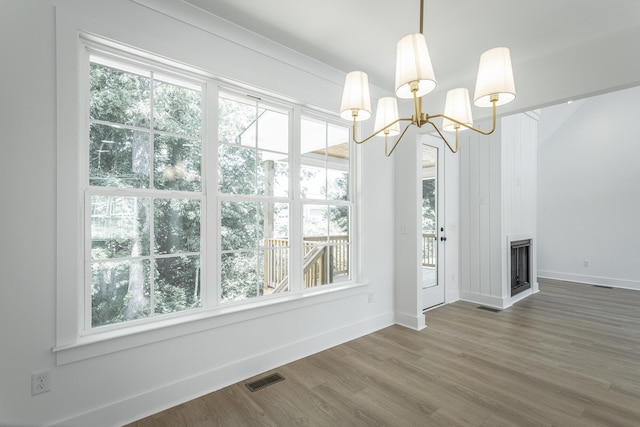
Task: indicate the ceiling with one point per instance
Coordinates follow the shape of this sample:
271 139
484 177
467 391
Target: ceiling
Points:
362 34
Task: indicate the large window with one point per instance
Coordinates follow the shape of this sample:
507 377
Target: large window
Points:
144 193
179 217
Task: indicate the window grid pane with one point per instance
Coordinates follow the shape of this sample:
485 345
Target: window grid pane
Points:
253 152
119 291
254 179
324 176
260 228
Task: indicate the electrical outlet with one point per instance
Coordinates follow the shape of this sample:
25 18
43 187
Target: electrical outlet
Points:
586 263
40 382
370 297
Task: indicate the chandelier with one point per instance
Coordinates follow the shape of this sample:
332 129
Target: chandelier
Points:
414 79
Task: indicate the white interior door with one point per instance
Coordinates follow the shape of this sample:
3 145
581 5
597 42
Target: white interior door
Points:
433 236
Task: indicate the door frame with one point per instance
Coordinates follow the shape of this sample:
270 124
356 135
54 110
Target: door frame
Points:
437 295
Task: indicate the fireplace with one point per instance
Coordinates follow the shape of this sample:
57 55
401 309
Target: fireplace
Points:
520 266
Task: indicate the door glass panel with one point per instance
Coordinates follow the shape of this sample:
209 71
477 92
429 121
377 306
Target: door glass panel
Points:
429 216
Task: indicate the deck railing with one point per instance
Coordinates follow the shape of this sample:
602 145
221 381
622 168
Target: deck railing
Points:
428 249
276 263
324 260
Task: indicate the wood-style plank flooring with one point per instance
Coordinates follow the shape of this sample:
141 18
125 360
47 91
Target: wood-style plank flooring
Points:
567 356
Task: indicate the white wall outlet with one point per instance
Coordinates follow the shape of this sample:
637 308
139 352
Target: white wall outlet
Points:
40 382
586 263
370 297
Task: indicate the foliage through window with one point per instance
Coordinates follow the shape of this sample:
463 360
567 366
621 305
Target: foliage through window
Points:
144 193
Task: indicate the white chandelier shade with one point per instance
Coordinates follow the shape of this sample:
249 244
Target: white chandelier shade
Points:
387 112
413 66
355 97
495 77
457 106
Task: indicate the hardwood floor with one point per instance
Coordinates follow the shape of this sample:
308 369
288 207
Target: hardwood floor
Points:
567 356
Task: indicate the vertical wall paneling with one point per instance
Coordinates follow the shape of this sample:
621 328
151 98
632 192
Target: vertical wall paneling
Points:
496 219
474 211
484 166
498 202
465 217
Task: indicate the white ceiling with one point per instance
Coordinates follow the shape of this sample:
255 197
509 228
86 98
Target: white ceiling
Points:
362 34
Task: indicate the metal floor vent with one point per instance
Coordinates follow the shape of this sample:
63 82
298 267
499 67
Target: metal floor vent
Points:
261 383
602 286
493 310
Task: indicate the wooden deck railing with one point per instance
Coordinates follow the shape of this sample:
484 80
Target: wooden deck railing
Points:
276 263
429 249
323 261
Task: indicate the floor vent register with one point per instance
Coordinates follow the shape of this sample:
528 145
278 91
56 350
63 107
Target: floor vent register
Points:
261 383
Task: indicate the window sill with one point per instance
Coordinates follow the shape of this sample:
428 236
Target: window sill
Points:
100 344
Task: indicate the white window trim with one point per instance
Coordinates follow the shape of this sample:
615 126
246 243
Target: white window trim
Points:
71 345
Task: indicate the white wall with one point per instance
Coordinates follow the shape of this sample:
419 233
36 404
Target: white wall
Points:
118 387
589 190
407 228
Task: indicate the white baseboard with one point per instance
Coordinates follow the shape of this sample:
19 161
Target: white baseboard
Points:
452 296
497 302
590 280
132 408
410 321
486 300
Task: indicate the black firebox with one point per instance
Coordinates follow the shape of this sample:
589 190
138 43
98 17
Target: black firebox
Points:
520 267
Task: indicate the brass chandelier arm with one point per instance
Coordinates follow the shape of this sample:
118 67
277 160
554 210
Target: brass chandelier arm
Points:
484 132
386 141
379 130
420 119
459 123
445 139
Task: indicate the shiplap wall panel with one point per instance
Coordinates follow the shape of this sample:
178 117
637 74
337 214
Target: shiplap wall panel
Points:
465 217
495 221
474 211
484 208
497 199
519 163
